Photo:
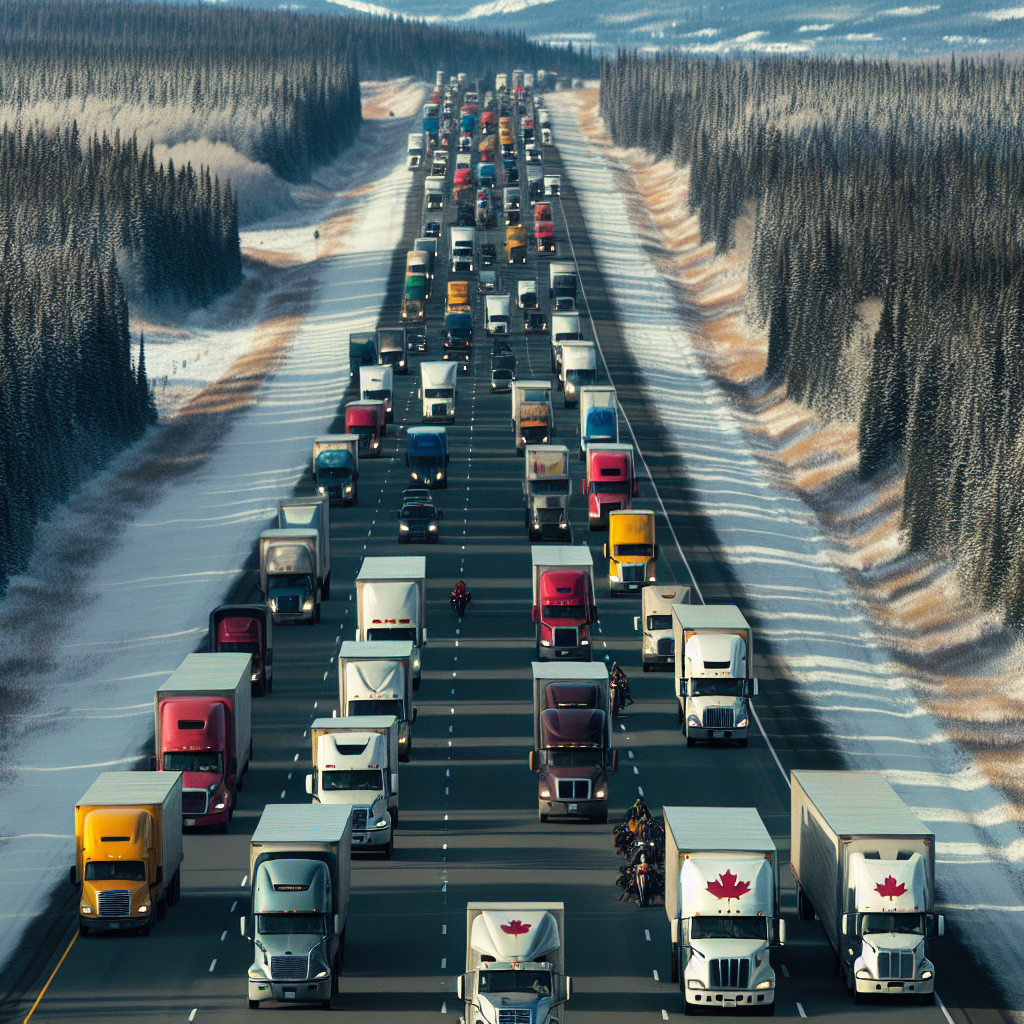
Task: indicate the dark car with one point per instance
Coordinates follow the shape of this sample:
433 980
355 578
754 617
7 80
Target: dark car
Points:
416 496
465 216
535 323
432 229
488 255
416 338
419 522
501 379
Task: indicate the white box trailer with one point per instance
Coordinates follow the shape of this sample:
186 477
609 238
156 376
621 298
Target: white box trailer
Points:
722 904
577 369
599 417
654 624
391 602
311 513
438 391
375 678
379 382
864 864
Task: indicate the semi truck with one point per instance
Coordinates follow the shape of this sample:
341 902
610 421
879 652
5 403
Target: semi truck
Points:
714 658
299 886
515 244
391 603
463 249
414 297
375 678
864 864
510 204
610 482
393 345
532 415
546 492
378 382
433 191
414 151
311 513
362 350
288 574
355 764
515 964
578 369
564 327
562 284
552 185
437 391
544 229
526 294
246 629
366 421
599 419
631 550
127 851
722 904
658 646
572 731
427 457
336 467
457 298
497 315
202 726
563 601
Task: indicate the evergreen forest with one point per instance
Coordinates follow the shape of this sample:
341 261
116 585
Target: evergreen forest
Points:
897 187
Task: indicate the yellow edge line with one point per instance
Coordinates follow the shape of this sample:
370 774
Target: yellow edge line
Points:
39 998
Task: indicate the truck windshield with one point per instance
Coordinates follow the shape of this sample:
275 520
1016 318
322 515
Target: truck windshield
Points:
425 462
608 487
291 924
284 580
549 486
899 924
659 622
187 761
574 758
437 392
633 550
382 394
377 707
581 376
391 633
347 779
334 474
238 647
538 982
564 611
365 429
718 687
728 928
115 871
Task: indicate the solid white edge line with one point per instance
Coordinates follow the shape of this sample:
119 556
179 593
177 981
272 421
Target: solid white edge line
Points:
942 1006
771 749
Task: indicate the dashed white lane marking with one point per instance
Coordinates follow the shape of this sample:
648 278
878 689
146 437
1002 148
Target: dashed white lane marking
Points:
444 929
233 905
444 1007
630 755
640 790
664 1014
283 791
784 969
647 934
800 1010
223 936
444 963
656 978
295 758
636 771
192 1015
213 963
245 879
942 1006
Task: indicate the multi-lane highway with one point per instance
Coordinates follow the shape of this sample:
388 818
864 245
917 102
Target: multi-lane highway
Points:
469 828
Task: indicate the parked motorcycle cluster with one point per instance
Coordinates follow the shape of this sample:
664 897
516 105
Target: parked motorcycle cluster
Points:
640 838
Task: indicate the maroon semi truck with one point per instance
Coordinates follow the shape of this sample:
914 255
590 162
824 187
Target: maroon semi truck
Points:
246 629
564 607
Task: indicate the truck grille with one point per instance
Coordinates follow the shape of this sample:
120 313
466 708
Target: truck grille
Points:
573 789
732 972
439 409
667 646
513 1017
289 603
564 637
113 903
288 968
633 573
718 718
359 818
896 965
193 801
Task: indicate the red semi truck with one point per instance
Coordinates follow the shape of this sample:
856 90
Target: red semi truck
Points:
202 721
246 629
610 484
367 420
563 601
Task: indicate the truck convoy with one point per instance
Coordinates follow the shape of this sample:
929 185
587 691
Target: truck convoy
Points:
546 492
202 725
375 678
610 482
864 865
311 513
391 603
355 764
599 420
658 646
722 904
246 629
336 467
631 550
563 601
437 391
572 731
299 884
127 851
515 964
714 656
427 457
288 574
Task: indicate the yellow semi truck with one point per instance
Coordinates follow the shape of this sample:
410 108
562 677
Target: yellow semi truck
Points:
631 551
128 851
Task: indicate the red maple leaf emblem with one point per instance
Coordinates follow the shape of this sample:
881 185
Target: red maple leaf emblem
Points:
516 928
727 888
890 888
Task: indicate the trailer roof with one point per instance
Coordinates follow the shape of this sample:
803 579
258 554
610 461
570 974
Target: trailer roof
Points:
376 649
709 616
570 671
222 671
717 828
393 567
365 723
568 555
334 438
860 803
290 823
126 789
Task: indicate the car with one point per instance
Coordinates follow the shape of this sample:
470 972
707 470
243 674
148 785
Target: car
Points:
465 143
535 323
416 338
488 255
432 229
534 156
502 379
465 216
419 522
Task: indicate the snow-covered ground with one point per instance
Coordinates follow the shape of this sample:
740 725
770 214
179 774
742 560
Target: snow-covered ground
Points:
128 620
798 596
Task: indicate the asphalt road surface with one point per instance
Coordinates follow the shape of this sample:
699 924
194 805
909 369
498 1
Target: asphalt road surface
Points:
469 827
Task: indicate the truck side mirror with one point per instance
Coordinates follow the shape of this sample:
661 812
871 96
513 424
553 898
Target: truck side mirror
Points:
394 782
614 767
534 764
850 924
568 988
936 925
242 927
534 613
460 987
655 552
151 760
751 687
424 634
583 488
780 932
309 785
447 459
407 458
604 550
73 875
636 621
415 714
337 921
396 515
636 489
160 875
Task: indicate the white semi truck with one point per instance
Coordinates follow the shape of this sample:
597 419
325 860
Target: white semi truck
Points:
864 864
578 369
714 658
391 603
355 764
438 391
375 678
657 647
722 903
414 151
299 882
515 963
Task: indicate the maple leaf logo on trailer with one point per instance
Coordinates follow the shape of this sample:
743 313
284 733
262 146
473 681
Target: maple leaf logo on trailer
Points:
890 888
728 888
516 928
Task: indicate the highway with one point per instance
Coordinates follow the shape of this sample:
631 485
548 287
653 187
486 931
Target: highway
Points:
469 828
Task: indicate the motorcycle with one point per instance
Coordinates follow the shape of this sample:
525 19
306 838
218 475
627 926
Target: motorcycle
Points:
460 600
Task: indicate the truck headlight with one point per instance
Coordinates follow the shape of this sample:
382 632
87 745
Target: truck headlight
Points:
563 526
86 909
255 676
545 794
415 476
925 975
403 527
863 972
320 974
432 526
742 723
765 984
307 605
219 807
601 794
693 720
273 604
348 488
440 475
545 643
594 515
695 983
376 444
144 909
381 823
401 362
321 490
256 973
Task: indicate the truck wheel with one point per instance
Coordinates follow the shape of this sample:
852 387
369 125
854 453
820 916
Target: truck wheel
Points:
542 817
646 667
223 827
83 930
690 1009
147 928
161 903
325 590
254 1004
690 741
389 849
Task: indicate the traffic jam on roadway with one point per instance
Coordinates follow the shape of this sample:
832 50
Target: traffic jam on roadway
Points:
485 377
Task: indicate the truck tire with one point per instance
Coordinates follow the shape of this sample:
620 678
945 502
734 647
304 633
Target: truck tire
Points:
83 930
646 667
161 903
254 1004
743 743
690 1009
389 849
325 590
690 741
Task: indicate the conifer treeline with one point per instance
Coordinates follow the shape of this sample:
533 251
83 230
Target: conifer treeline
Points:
897 183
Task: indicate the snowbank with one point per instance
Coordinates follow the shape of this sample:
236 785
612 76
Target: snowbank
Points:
796 593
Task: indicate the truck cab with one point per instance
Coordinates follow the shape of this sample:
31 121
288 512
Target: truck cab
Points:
288 572
564 612
631 550
392 346
610 483
546 492
414 296
337 476
365 419
427 457
437 391
246 629
658 646
578 369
